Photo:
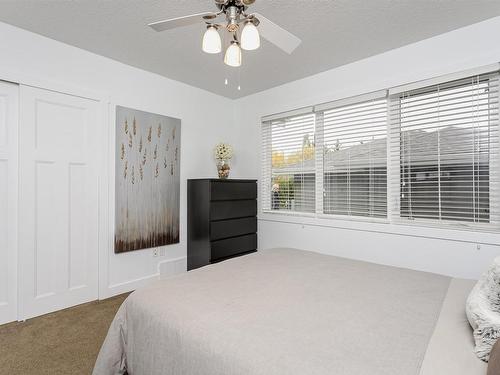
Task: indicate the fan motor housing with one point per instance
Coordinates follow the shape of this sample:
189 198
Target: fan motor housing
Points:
240 4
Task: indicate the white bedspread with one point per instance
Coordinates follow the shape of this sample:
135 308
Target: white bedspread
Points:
278 311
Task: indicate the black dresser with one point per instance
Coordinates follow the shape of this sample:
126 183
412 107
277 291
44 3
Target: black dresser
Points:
222 220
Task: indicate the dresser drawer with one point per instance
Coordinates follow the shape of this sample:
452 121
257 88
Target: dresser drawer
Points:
233 246
232 209
232 228
220 191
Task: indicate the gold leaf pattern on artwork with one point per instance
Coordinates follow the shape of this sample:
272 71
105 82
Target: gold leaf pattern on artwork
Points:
157 170
133 175
126 126
149 133
159 130
176 153
140 144
141 172
145 156
134 127
167 146
130 141
155 152
122 151
165 163
125 170
171 169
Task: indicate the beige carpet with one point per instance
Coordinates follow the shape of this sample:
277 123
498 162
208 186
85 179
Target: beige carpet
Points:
65 342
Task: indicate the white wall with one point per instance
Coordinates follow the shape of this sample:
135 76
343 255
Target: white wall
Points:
444 251
33 59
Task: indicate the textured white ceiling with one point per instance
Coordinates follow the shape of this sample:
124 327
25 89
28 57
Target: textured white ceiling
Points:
334 32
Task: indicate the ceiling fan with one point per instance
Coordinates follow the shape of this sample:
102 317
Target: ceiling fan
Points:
244 28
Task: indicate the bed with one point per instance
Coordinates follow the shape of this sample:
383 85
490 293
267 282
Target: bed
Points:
286 311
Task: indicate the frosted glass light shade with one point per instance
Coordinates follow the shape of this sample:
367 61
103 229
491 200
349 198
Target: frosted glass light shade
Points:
211 41
250 38
233 55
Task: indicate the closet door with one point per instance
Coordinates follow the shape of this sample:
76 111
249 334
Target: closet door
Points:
58 203
9 94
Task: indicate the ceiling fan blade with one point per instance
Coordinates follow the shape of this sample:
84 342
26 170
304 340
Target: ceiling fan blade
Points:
181 21
277 35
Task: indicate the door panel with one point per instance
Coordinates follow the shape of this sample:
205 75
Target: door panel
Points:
58 200
4 232
77 218
9 94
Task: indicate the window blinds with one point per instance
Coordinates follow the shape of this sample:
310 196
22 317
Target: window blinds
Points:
355 158
444 151
427 153
289 162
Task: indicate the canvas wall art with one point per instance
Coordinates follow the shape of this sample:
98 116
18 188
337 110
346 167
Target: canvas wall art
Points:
147 180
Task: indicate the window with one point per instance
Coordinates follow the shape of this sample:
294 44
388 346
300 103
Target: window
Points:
423 153
444 140
355 159
290 163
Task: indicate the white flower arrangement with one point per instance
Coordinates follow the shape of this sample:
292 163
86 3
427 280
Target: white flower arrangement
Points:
223 151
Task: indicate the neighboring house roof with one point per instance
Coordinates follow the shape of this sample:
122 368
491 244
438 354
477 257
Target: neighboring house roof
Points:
455 146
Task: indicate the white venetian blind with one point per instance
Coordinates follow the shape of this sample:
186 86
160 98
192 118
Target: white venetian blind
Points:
288 181
444 148
355 156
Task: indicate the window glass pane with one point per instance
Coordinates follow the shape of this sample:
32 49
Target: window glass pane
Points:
445 144
293 164
355 159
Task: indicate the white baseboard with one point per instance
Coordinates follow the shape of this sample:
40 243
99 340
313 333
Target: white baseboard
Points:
172 267
166 269
129 286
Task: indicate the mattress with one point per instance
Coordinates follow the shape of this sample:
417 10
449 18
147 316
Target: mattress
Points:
286 311
451 347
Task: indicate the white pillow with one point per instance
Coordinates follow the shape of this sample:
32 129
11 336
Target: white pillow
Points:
483 310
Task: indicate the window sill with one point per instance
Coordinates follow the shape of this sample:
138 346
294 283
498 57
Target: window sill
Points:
466 234
289 213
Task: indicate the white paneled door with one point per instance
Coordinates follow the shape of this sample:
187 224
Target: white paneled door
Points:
58 202
9 94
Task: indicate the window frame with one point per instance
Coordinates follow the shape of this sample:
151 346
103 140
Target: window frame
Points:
392 189
267 167
493 165
361 100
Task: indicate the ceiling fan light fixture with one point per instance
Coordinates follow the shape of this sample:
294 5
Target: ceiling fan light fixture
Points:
211 41
233 55
246 29
250 37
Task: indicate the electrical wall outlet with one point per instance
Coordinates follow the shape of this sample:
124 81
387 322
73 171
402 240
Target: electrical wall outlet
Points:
155 252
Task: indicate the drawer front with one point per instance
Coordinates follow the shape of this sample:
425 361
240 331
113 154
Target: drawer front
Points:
233 246
232 228
232 209
221 191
